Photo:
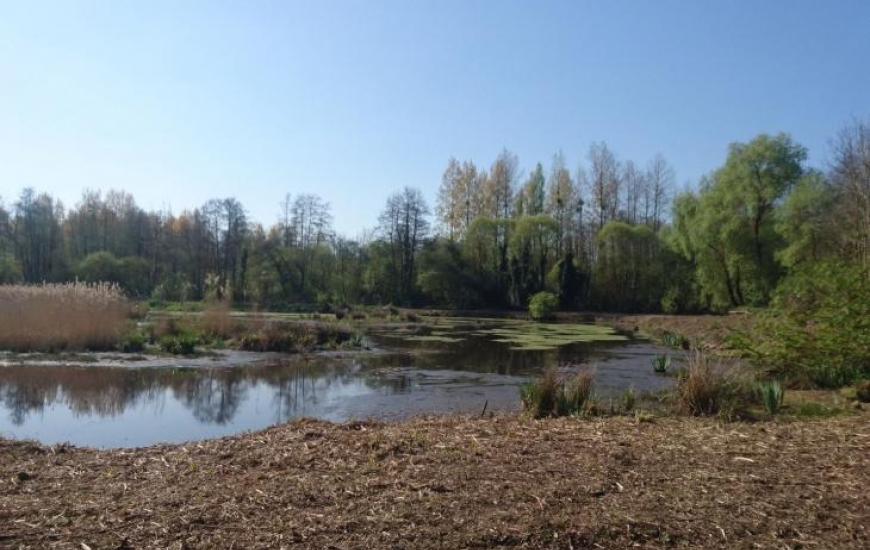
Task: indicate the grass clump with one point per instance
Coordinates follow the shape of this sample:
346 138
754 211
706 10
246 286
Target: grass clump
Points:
771 394
675 341
555 395
629 399
296 337
661 363
703 390
61 317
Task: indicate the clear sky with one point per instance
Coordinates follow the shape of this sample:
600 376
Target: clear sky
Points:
181 101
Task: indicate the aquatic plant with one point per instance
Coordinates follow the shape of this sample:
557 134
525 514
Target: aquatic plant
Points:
58 317
183 343
555 395
675 341
661 363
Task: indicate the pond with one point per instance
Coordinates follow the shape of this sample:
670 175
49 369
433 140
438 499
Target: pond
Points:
440 365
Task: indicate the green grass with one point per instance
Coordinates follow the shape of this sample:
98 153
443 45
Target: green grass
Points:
771 396
556 395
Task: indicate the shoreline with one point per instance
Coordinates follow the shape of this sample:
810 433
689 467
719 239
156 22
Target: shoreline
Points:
452 482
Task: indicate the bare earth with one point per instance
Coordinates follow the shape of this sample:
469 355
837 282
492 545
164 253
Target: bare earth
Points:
449 482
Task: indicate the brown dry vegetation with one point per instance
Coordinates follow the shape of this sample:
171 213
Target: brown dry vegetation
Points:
52 317
502 482
705 331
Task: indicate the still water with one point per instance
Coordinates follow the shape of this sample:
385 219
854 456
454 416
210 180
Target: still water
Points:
407 373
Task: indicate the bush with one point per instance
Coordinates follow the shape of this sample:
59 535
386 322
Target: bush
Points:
862 391
818 333
133 343
179 344
542 306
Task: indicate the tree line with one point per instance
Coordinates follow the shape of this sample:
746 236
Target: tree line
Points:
610 235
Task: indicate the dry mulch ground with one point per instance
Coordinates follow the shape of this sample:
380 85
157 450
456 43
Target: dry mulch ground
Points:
449 482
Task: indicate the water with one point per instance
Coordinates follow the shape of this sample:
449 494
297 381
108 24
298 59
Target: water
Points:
144 403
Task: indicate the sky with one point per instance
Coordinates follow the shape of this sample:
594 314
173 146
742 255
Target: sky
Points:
178 102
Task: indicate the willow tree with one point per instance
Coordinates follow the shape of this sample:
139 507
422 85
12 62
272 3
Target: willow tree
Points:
729 230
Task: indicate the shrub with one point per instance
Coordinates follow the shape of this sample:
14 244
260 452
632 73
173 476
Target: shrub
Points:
53 317
542 306
179 344
771 396
818 332
862 391
660 363
134 342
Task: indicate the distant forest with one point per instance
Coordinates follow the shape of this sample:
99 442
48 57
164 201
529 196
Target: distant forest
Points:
614 235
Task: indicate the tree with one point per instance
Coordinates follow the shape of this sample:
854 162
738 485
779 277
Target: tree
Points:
628 274
403 226
729 230
530 199
38 238
562 203
604 180
656 189
850 173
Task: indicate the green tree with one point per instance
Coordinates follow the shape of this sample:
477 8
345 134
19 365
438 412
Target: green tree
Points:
729 229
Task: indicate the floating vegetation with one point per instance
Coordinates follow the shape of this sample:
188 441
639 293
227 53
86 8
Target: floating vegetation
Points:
523 335
435 338
518 334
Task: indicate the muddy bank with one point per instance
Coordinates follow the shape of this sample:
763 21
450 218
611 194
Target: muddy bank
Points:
451 482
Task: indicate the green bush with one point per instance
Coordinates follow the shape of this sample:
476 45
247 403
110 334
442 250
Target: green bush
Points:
542 306
818 331
134 342
183 343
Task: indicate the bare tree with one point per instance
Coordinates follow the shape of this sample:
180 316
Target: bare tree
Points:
604 181
657 191
850 172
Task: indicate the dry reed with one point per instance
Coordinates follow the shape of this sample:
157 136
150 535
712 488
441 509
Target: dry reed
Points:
56 317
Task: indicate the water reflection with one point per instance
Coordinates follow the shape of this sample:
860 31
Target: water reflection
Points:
128 406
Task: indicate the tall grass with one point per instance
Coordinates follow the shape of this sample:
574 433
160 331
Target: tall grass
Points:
61 317
771 396
703 389
555 395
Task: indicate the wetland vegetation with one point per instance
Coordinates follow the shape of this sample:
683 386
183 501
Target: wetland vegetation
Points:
745 302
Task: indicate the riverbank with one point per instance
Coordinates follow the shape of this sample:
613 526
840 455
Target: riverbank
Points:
454 482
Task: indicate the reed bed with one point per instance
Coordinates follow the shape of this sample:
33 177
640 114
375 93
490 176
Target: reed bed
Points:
61 317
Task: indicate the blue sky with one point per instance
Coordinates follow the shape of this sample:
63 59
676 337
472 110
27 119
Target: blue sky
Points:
178 102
